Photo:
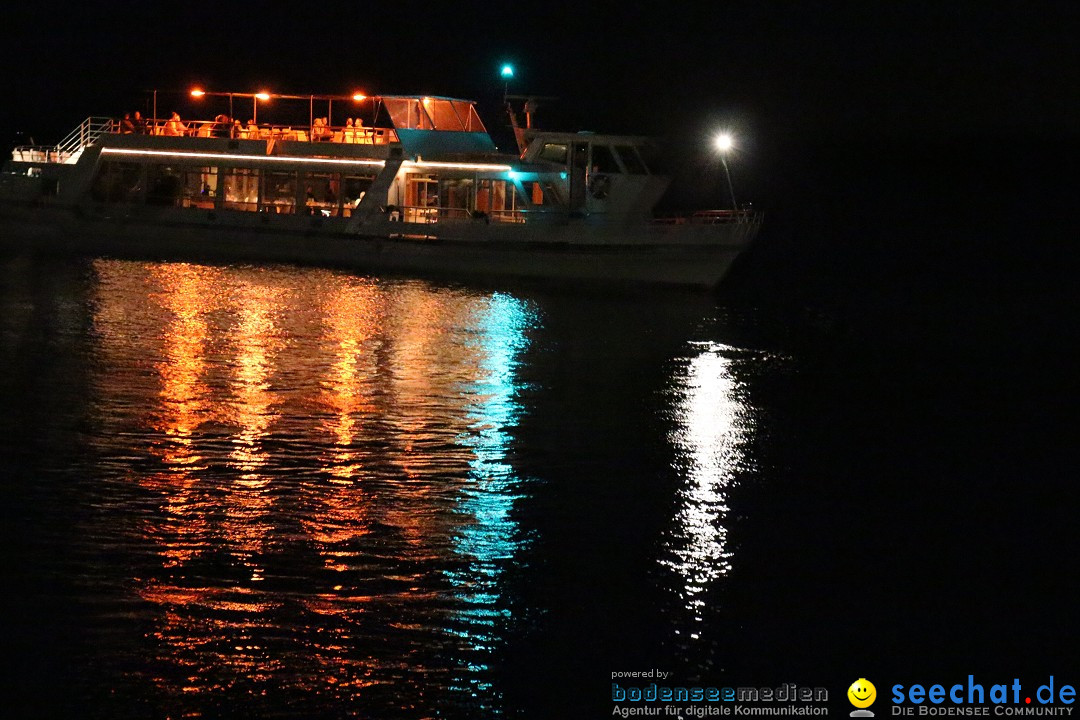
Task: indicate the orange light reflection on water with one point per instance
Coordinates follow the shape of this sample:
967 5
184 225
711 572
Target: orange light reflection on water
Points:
355 429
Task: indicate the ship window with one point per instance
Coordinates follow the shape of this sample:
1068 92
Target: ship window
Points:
353 189
630 160
490 195
241 189
422 191
321 193
442 112
544 193
554 153
200 187
468 115
456 193
164 185
117 182
603 160
407 113
279 193
499 200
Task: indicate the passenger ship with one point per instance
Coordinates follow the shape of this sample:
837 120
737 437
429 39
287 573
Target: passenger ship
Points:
415 186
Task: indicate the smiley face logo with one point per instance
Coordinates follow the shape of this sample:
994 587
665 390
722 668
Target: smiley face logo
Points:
862 693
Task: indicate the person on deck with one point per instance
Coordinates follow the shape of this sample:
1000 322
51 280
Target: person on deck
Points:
126 126
175 127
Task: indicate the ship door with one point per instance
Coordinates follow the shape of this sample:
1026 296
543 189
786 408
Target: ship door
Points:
579 165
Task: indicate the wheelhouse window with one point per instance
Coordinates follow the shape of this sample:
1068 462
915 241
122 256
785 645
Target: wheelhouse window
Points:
241 189
603 160
554 153
630 160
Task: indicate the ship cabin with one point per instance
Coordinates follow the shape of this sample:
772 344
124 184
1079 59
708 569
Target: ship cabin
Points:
418 159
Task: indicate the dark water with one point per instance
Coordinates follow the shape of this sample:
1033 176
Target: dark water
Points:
283 492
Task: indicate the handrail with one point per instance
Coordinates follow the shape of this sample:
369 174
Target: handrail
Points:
67 150
86 134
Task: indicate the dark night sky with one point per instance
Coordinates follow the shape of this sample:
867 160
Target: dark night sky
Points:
800 82
774 68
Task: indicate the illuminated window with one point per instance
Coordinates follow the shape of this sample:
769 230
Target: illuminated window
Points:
322 192
279 193
200 187
241 189
442 112
456 193
422 190
544 193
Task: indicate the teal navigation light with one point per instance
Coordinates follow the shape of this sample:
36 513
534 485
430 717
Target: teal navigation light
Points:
507 74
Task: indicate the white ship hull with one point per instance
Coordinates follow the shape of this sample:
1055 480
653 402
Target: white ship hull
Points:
474 252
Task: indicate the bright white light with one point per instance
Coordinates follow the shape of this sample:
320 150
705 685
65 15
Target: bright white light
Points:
723 142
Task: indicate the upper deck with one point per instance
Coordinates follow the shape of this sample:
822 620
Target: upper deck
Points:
418 125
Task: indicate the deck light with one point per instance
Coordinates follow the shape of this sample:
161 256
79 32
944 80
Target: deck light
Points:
723 142
263 95
507 71
359 97
197 93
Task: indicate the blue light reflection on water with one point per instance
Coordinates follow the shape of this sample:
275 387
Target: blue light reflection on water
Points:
488 539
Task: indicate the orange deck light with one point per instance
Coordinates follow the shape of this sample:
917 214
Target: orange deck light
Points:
359 97
263 95
197 93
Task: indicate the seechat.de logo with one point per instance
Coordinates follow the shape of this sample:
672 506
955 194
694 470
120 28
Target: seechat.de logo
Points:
862 694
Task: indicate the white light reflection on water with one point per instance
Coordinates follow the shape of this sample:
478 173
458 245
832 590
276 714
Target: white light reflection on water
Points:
712 424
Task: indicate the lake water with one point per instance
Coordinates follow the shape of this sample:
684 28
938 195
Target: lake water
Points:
282 492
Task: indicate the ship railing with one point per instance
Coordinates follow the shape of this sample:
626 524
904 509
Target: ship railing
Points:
712 217
68 149
430 215
267 131
86 134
